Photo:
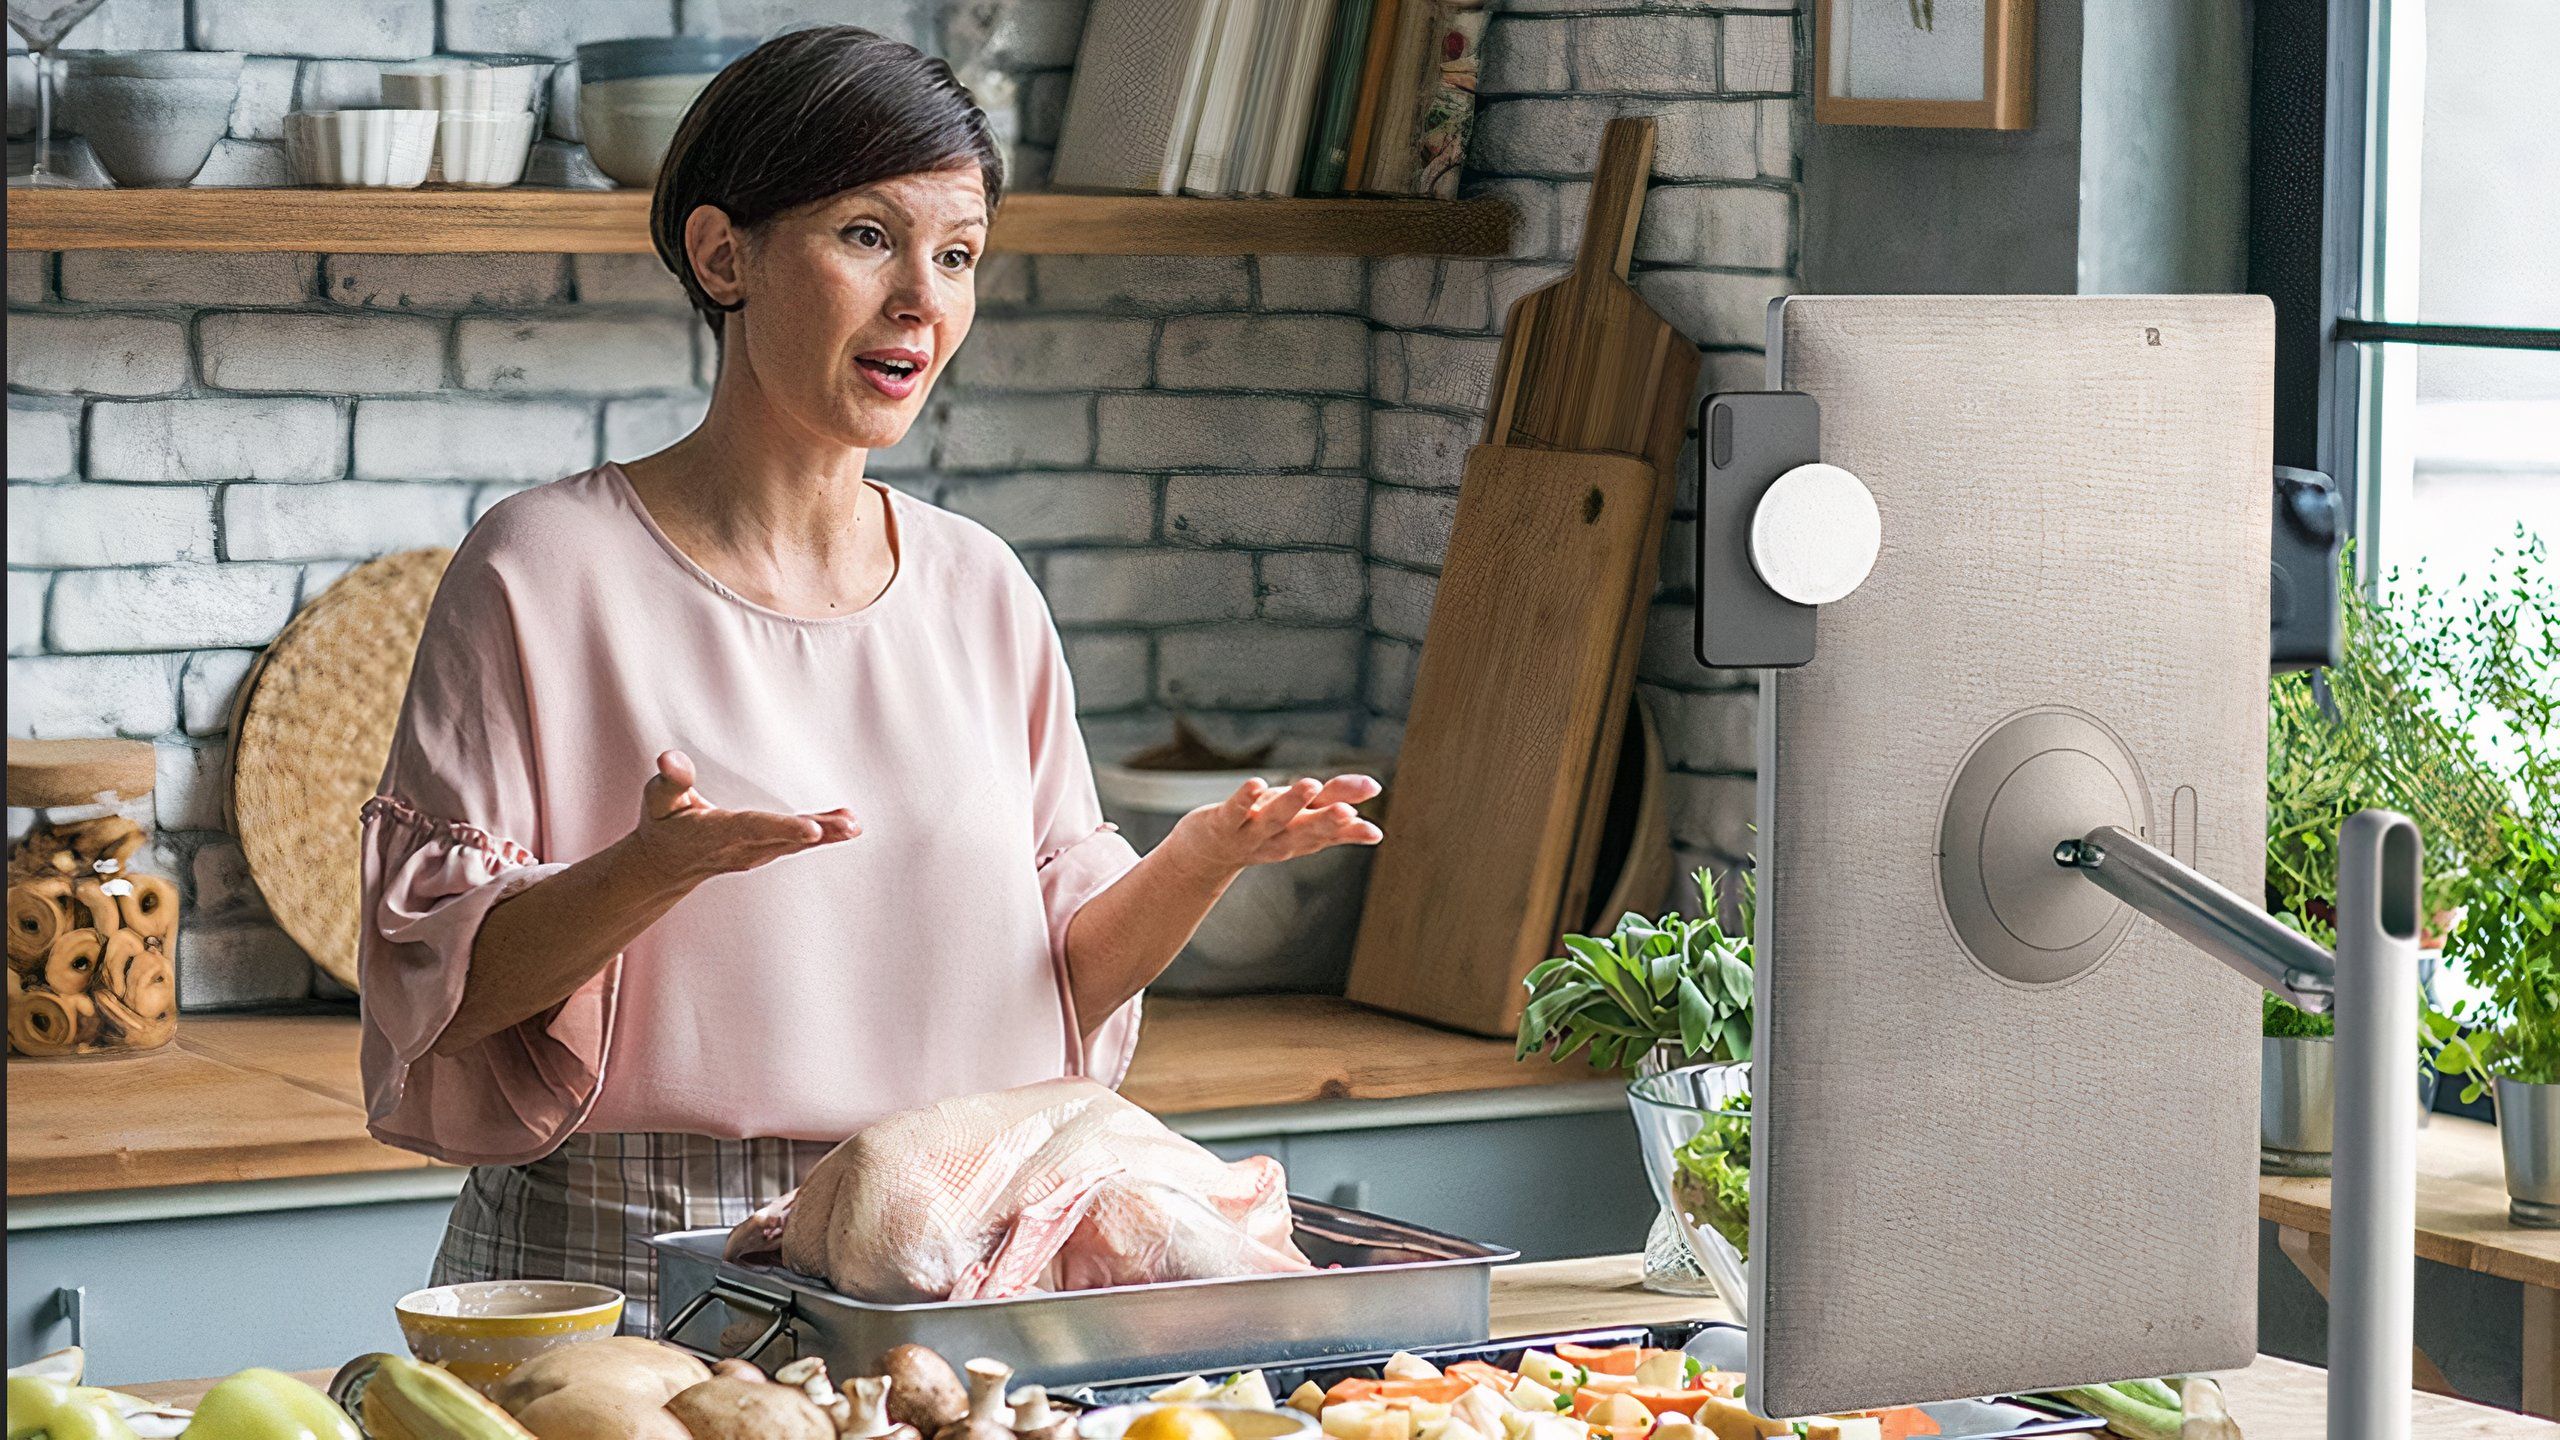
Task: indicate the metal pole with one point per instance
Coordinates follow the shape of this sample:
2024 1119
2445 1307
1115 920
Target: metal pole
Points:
2374 1168
2204 914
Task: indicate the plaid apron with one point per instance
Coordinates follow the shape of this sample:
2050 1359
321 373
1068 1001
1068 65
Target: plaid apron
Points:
582 1211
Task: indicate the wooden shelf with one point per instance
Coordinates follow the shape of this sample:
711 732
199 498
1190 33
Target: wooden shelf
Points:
590 222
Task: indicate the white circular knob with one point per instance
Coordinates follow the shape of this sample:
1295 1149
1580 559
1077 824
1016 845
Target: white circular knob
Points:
1815 534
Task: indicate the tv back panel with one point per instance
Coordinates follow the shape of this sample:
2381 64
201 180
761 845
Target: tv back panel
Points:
2005 1131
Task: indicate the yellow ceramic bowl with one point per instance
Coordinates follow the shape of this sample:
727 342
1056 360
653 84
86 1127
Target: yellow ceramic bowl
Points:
484 1329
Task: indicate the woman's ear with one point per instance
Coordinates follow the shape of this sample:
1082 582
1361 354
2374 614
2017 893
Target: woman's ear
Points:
714 247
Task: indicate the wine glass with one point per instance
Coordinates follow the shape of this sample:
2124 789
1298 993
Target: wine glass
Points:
44 23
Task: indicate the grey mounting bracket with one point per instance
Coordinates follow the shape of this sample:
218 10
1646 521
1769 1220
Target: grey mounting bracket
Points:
2371 985
1780 533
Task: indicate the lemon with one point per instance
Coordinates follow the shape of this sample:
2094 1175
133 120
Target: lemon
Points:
1178 1422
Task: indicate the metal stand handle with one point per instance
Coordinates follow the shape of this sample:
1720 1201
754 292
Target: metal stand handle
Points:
2371 984
735 1297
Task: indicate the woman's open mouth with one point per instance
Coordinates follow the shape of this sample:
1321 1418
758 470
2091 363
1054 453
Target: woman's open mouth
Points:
894 373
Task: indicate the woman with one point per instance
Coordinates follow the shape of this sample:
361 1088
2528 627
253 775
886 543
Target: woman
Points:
738 800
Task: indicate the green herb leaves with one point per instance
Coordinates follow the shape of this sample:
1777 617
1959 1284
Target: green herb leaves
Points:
1647 983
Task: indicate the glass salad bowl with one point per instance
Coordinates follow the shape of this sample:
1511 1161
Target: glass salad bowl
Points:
1694 1124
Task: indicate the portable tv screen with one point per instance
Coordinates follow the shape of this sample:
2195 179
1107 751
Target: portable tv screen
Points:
2004 1130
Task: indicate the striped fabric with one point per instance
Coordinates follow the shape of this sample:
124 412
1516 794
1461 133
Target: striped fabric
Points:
582 1211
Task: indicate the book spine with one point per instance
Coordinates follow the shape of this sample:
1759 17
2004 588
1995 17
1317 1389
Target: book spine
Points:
1448 115
1329 147
1383 25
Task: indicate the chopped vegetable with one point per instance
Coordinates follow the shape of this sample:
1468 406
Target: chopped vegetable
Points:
2128 1411
1712 1175
1405 1365
1307 1398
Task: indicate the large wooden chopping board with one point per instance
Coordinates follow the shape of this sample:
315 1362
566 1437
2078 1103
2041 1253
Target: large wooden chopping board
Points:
1528 667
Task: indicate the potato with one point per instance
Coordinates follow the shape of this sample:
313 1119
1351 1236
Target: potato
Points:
924 1391
732 1409
600 1412
618 1363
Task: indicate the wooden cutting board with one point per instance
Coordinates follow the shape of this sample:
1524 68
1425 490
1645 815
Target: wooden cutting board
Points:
1529 663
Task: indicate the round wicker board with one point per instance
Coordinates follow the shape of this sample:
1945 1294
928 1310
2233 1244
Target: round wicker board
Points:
311 733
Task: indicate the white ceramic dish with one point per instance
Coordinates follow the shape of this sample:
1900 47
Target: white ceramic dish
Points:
151 116
464 86
629 123
483 148
367 149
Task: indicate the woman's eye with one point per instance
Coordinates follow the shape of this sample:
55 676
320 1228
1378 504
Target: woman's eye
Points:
867 236
958 258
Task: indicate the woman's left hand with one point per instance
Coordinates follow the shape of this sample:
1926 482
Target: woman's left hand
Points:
1260 824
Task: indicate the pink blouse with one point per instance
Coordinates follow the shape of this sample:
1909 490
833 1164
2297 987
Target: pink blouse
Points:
570 643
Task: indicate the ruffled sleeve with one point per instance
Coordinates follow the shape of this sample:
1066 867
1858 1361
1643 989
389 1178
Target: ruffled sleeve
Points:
1078 855
454 831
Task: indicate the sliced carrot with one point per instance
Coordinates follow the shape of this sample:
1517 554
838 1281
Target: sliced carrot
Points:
1443 1390
1612 1360
1905 1421
1609 1382
1493 1377
1671 1402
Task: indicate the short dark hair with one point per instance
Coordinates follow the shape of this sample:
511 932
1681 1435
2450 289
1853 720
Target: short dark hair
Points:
805 116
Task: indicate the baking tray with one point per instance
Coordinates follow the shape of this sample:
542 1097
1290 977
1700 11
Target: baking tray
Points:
1713 1342
1386 1284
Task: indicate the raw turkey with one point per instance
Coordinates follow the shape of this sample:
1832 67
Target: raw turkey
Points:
1061 1185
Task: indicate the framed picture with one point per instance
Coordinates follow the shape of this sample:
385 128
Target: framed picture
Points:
1958 64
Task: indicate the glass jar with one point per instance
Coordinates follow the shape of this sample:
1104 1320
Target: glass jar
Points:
93 919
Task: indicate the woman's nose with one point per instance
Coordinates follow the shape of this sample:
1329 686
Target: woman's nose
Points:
916 297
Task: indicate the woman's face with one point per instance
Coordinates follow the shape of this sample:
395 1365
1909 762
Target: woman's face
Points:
854 305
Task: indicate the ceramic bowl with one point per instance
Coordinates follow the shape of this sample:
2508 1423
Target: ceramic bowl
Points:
376 149
1245 1423
151 119
628 133
483 148
483 1329
464 85
640 56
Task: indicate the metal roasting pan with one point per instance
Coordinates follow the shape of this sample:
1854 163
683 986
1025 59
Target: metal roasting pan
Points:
1387 1284
1713 1342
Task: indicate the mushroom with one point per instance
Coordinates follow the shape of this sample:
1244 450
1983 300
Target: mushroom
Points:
1034 1418
924 1391
729 1408
808 1374
989 1418
870 1418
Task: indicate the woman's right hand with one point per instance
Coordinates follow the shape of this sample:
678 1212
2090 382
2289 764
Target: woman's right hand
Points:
696 840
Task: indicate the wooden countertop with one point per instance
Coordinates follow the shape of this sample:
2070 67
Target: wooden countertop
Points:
2462 1206
263 1097
2273 1399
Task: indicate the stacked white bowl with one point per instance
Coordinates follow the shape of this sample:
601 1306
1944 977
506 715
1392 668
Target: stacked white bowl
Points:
368 149
488 114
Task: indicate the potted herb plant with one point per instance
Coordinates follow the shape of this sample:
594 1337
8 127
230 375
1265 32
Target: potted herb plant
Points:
1649 997
2497 657
2369 732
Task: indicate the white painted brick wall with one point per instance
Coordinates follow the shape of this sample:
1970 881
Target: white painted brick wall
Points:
1059 508
375 29
1111 668
633 428
1207 432
1257 510
219 875
1400 602
26 610
597 354
1307 353
472 439
44 439
78 696
1162 587
637 280
215 438
124 277
1662 54
1411 527
96 354
29 275
1420 448
1256 667
1307 283
340 520
169 607
91 524
510 27
208 685
340 354
1759 54
1311 587
187 791
1121 284
229 964
1041 352
447 282
1716 225
1012 432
